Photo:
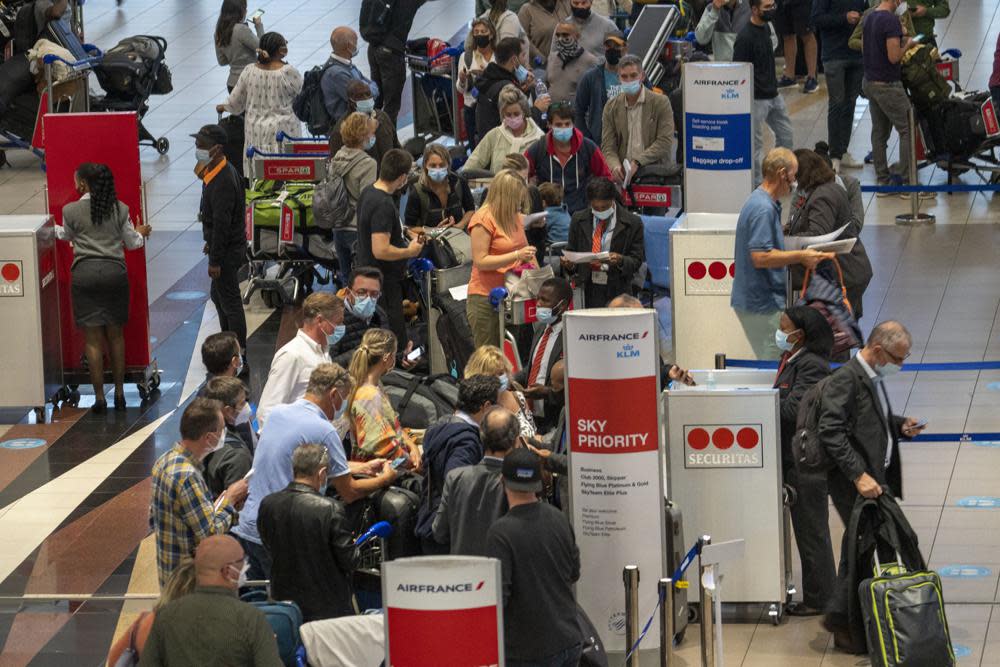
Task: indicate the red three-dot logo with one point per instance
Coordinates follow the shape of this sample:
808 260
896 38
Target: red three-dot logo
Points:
723 437
715 269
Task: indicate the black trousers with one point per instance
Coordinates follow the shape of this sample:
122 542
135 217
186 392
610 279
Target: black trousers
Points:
392 302
228 301
811 525
844 494
388 70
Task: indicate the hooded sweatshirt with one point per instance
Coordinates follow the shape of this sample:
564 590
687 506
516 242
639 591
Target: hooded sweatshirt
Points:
498 143
585 161
720 27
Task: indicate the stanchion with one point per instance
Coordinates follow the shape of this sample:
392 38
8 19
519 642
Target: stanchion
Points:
666 587
631 577
914 217
705 607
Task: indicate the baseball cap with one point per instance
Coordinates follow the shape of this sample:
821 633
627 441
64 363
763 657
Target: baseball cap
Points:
522 471
615 37
211 135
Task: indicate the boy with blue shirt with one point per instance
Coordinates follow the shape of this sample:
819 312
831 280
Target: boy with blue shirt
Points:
556 216
758 294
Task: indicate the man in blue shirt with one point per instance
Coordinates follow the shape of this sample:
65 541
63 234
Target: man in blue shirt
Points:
307 420
758 295
340 71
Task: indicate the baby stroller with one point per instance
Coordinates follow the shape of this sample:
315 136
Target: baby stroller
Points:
129 73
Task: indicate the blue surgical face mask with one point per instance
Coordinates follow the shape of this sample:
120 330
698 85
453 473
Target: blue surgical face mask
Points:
888 370
362 308
338 333
365 106
504 382
202 155
341 409
562 134
438 175
370 143
545 315
781 340
631 87
520 73
605 215
323 487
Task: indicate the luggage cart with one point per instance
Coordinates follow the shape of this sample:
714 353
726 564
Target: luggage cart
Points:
438 282
300 145
296 249
437 104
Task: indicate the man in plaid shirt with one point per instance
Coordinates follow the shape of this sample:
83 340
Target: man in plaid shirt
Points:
181 512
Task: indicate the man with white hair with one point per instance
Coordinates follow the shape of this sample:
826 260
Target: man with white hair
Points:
340 70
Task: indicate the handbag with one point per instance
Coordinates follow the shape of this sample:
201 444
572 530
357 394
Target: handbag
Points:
830 299
525 283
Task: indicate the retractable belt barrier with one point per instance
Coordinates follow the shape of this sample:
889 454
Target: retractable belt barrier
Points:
944 187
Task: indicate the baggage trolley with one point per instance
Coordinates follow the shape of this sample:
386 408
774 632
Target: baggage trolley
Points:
299 145
437 104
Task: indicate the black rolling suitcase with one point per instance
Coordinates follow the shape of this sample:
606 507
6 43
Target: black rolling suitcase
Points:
676 550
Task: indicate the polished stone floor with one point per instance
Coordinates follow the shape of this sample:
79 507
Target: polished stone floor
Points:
73 511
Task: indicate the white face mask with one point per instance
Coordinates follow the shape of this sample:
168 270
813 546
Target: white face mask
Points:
241 580
220 444
245 415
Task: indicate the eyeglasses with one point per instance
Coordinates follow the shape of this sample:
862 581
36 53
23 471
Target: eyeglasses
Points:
374 294
896 360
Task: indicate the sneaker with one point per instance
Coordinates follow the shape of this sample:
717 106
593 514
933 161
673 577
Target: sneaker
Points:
868 158
848 161
925 196
812 85
786 82
835 163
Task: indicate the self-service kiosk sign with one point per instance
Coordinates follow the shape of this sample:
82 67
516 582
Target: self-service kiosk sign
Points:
709 276
443 610
723 446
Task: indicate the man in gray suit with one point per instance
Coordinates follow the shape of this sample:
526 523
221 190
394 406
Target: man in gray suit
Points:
473 496
861 434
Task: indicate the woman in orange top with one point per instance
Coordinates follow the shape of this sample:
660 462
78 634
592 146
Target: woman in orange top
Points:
498 245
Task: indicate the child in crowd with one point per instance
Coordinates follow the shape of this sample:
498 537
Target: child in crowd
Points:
556 215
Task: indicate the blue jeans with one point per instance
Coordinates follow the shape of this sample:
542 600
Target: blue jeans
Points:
258 557
568 658
843 83
344 241
775 114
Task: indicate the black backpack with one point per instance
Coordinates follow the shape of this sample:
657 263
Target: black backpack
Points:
454 333
332 205
808 453
309 106
374 19
419 401
26 31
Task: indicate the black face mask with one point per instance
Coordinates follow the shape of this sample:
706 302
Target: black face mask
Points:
768 16
481 41
582 14
612 56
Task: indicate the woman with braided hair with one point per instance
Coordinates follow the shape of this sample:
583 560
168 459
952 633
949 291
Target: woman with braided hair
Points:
374 423
98 225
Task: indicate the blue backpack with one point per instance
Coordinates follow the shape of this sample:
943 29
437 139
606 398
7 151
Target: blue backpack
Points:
285 619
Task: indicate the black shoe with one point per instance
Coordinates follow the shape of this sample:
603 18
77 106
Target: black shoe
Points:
99 407
802 609
120 403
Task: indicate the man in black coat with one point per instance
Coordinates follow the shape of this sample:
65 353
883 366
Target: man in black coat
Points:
361 313
506 69
861 435
231 462
554 298
452 443
222 218
312 550
609 227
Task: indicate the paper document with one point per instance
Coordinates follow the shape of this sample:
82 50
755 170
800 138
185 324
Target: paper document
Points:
584 257
532 218
627 167
801 242
841 247
460 293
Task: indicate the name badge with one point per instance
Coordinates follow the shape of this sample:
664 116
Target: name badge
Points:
599 277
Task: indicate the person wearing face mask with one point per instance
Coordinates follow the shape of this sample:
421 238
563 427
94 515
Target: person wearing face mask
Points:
181 510
440 197
565 156
506 69
358 170
555 297
239 632
339 71
222 222
359 98
222 357
490 360
233 460
478 54
452 443
861 433
593 27
264 92
293 364
516 132
308 420
638 125
539 18
605 227
599 86
758 293
753 45
805 339
381 240
570 63
308 535
721 21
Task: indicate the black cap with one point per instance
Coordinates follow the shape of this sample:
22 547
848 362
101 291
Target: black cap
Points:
211 135
522 471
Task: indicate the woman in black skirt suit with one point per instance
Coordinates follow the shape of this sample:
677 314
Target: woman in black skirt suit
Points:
98 225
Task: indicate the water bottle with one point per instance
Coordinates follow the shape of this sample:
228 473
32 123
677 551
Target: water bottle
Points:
711 380
541 89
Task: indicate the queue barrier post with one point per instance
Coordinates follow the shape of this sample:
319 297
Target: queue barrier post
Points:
914 217
720 361
707 626
666 587
630 575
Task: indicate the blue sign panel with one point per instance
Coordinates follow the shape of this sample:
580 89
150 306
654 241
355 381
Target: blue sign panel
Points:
980 501
964 571
718 142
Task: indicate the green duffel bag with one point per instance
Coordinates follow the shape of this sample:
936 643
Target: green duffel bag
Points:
265 201
925 85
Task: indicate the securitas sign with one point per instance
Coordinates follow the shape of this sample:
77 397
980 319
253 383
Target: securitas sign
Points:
440 588
723 446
